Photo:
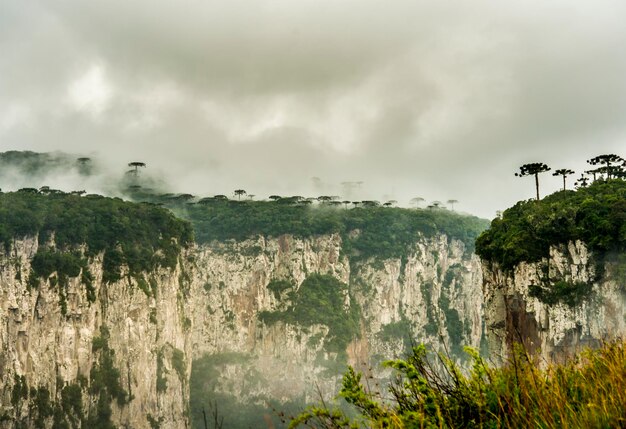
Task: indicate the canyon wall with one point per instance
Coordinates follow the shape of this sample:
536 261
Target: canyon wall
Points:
556 306
118 354
431 294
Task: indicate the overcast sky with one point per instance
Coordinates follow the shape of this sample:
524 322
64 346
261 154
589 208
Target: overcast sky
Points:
436 99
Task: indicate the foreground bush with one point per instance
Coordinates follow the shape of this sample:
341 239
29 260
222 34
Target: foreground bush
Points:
587 392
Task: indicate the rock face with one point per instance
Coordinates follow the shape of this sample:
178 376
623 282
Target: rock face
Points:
127 350
432 294
556 328
223 308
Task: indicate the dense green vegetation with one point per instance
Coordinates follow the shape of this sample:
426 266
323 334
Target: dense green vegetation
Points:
595 215
525 232
72 228
320 299
383 231
585 392
105 383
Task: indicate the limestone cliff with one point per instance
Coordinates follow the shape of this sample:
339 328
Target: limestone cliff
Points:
431 294
67 357
581 303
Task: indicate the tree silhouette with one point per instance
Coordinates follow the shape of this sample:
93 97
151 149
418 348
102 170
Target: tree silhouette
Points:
275 197
606 160
390 203
452 203
533 169
416 201
563 172
239 193
84 165
582 181
136 165
345 203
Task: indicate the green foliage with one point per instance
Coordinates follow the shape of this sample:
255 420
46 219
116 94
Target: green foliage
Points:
384 232
105 383
278 286
154 423
161 379
581 393
72 403
320 299
139 236
41 406
399 330
179 365
432 327
19 391
595 215
567 292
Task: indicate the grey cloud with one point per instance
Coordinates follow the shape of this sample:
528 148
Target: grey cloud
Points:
439 99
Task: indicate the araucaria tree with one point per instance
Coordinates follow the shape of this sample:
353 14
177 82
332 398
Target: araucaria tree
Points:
606 160
563 172
452 203
582 181
533 169
136 165
239 193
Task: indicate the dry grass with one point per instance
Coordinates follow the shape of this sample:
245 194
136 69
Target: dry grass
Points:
587 392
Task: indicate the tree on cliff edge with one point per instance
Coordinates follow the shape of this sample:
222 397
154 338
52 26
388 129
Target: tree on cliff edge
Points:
563 172
606 160
533 169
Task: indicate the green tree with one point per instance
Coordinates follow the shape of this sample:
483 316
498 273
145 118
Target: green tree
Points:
582 181
452 202
564 172
135 165
607 161
239 193
533 169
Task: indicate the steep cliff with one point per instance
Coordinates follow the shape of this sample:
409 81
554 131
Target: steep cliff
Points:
107 306
257 339
555 272
516 311
126 350
93 334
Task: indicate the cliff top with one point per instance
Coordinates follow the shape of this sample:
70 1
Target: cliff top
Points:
595 215
383 231
140 236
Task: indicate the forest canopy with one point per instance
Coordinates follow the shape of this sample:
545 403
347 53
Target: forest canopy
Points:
595 215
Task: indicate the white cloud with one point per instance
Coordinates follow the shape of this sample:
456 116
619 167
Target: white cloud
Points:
91 93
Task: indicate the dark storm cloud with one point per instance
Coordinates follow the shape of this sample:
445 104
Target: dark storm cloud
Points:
435 99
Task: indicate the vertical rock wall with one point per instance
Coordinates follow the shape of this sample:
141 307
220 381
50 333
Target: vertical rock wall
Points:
49 342
432 295
556 330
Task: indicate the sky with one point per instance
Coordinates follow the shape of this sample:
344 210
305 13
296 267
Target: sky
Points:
434 99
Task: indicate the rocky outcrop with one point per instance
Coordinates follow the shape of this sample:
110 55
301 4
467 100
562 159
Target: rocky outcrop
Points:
432 294
64 358
558 305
